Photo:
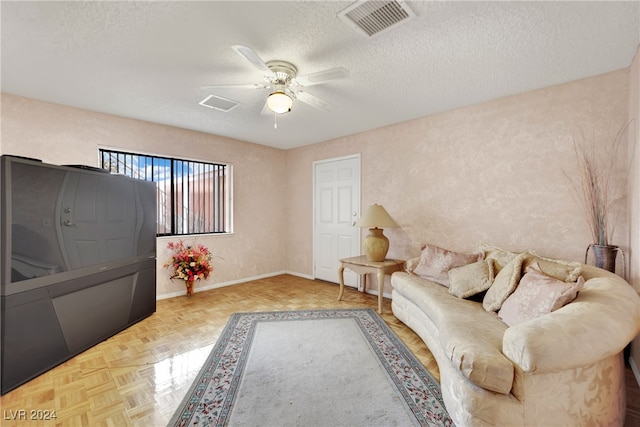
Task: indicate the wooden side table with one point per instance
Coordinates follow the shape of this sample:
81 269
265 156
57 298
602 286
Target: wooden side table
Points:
361 265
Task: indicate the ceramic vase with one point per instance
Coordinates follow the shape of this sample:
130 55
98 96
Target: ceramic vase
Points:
376 245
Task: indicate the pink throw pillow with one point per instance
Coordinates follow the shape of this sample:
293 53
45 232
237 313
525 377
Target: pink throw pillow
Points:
536 295
436 262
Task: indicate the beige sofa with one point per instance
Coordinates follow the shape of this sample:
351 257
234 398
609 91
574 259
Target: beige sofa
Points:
563 368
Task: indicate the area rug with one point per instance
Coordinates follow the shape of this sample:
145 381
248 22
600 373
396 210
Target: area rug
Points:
311 368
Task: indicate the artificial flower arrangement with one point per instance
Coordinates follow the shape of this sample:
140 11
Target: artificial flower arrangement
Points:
189 263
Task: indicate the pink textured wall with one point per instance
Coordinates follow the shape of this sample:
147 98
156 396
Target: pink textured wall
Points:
63 135
492 173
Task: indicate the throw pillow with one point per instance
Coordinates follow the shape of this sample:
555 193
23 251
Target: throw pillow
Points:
436 262
471 279
504 284
411 264
562 270
536 295
499 256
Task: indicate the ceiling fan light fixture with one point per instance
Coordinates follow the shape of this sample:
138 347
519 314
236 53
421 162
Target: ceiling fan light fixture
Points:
279 102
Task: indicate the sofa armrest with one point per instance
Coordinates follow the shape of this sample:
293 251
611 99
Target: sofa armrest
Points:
599 323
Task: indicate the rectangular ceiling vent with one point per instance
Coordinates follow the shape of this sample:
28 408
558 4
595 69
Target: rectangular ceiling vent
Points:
219 103
373 17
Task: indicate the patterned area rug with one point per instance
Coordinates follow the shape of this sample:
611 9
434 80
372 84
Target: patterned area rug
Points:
315 367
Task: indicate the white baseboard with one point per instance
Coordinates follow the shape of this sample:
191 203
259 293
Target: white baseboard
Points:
304 276
249 279
232 282
170 295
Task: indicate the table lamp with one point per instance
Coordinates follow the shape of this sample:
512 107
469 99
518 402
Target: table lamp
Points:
376 244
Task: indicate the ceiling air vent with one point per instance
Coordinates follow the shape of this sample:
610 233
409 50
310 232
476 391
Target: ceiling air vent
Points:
219 103
373 17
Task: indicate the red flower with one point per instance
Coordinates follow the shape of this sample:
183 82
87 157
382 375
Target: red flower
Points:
189 263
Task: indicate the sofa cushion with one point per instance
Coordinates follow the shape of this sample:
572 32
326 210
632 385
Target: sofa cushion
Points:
536 295
504 284
470 337
435 263
472 340
471 279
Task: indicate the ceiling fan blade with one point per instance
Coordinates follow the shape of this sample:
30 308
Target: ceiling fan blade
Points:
266 111
314 101
251 56
236 86
322 76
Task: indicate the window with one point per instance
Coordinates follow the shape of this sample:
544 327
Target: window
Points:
193 197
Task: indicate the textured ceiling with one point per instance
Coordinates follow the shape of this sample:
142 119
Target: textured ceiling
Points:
149 60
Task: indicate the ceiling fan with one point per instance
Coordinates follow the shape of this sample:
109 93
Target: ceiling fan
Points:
281 77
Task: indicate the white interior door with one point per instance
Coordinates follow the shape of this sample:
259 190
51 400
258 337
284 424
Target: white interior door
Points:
337 207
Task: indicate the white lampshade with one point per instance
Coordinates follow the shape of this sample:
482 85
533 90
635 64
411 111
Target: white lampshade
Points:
279 102
376 216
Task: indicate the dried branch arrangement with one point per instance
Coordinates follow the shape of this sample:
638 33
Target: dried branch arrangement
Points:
597 186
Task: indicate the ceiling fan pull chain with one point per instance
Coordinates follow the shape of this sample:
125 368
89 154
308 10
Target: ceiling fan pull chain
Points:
275 120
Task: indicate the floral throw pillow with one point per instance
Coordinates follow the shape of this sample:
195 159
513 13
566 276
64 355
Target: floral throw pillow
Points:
536 295
499 256
436 262
471 279
564 271
504 284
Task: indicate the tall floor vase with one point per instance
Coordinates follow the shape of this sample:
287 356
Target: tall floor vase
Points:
604 256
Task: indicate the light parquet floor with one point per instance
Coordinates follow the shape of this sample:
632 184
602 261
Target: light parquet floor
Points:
139 376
